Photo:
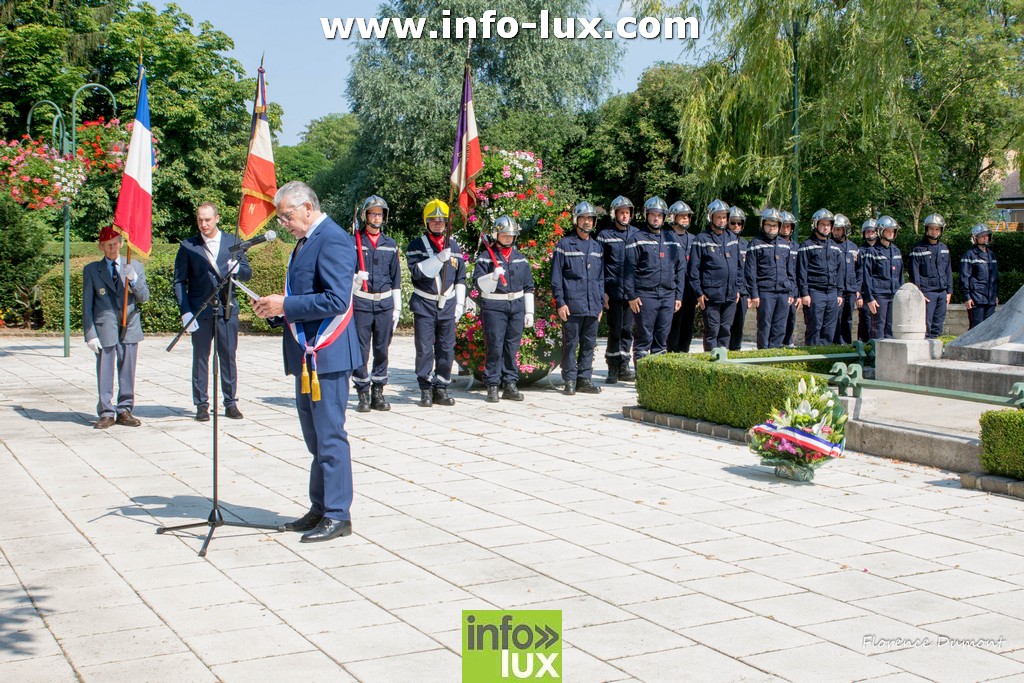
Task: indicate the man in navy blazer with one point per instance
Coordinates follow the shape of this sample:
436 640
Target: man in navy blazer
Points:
201 261
321 349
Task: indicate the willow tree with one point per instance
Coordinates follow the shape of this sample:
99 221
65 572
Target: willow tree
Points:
921 98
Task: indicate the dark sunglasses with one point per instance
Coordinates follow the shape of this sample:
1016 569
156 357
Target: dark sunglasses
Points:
735 222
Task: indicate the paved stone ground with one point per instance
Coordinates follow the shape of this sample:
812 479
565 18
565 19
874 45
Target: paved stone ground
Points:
672 557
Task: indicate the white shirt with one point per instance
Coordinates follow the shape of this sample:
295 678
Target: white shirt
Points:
318 221
212 249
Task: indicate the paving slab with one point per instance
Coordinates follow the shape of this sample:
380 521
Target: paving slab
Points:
667 552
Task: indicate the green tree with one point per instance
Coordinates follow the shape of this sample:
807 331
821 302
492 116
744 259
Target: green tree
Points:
333 135
406 94
916 102
298 162
22 235
200 108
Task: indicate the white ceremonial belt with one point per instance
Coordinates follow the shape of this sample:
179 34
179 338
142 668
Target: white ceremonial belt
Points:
434 297
498 296
372 296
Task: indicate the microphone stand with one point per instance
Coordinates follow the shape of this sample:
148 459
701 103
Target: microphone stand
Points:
215 519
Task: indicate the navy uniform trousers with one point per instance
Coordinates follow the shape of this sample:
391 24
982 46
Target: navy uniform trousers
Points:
935 312
655 322
680 337
844 325
979 314
227 344
772 319
738 320
378 325
880 324
332 461
718 324
790 325
821 317
434 330
578 362
503 333
620 332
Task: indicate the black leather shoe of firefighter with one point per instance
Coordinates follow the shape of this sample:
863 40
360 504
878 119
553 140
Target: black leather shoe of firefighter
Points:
511 392
442 398
585 386
364 402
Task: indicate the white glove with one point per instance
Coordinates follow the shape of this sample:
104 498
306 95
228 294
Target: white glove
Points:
498 272
232 266
94 345
361 277
396 297
487 283
430 267
192 326
131 273
528 301
444 254
460 300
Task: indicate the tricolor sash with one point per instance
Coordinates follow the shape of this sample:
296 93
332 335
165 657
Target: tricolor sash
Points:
329 331
805 440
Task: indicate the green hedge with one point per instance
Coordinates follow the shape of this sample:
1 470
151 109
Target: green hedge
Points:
160 313
822 367
727 393
1002 442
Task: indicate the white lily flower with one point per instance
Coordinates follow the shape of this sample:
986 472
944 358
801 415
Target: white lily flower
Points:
802 387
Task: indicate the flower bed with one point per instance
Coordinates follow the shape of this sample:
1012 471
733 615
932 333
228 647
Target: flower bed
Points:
512 184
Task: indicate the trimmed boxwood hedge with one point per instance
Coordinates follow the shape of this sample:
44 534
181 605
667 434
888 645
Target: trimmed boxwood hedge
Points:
821 366
727 393
1002 442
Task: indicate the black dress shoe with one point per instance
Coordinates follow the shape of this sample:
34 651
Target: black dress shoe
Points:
585 386
104 422
492 394
328 529
202 413
304 523
126 419
233 412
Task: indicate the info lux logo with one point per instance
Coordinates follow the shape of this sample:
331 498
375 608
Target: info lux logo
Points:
500 646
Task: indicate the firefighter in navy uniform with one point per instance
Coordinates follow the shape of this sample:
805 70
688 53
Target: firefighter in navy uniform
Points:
577 285
438 273
506 308
818 267
714 273
377 302
771 280
869 237
979 276
849 278
620 317
787 233
931 269
680 337
653 279
737 221
883 276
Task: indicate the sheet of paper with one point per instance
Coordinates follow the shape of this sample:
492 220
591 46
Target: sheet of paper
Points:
252 295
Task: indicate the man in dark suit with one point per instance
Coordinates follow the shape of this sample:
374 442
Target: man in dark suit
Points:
321 349
201 261
103 286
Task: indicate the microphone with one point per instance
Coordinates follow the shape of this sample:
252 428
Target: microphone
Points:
268 236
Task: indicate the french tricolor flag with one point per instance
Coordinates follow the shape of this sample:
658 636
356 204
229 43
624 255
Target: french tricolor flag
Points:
259 183
134 215
467 162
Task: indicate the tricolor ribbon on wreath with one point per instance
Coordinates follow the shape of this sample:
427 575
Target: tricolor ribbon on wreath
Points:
803 439
329 331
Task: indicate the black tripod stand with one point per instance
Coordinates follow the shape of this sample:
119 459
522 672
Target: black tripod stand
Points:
216 519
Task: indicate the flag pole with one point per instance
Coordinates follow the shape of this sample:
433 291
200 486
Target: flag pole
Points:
128 256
